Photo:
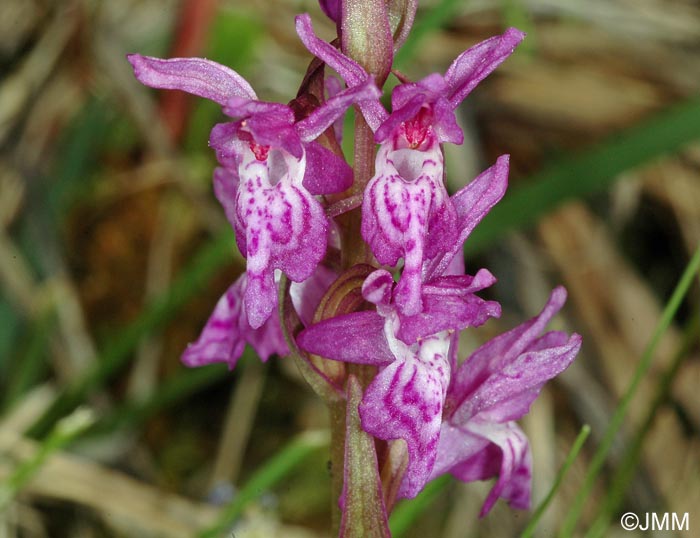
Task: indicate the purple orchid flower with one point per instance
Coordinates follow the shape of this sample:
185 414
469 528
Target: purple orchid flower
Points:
406 212
405 400
227 331
272 168
493 388
463 211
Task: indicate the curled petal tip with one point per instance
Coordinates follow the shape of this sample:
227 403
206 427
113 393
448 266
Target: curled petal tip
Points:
478 62
377 287
555 302
560 293
514 35
227 331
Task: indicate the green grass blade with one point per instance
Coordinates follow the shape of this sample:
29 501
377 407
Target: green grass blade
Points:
31 364
630 460
118 351
407 512
10 327
568 462
589 172
619 415
274 470
63 433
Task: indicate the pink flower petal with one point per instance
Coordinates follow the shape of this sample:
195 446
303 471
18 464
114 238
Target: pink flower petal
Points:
193 75
472 204
357 337
508 392
331 8
225 188
478 62
405 401
227 331
407 213
351 72
284 228
324 116
481 451
269 124
377 289
326 173
498 354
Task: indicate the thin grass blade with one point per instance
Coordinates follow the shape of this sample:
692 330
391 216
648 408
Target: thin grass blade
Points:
407 512
630 460
275 469
65 431
568 462
618 417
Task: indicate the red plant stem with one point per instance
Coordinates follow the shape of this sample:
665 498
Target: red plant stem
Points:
194 21
355 250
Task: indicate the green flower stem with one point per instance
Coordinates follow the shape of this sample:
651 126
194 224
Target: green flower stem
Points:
355 250
364 514
337 453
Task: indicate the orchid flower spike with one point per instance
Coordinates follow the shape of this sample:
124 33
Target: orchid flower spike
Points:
493 388
271 170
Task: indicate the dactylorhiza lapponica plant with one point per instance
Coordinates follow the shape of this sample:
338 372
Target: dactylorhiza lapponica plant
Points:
357 271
